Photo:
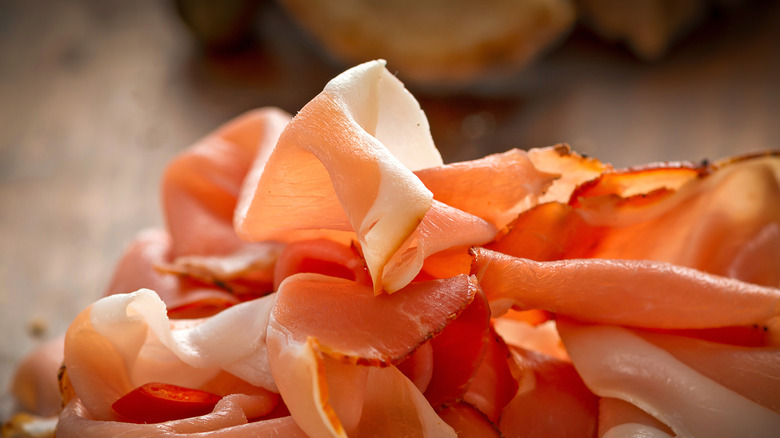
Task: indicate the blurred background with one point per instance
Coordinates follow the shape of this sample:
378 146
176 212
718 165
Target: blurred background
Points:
96 96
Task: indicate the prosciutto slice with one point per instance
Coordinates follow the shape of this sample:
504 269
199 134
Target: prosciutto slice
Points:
321 326
125 340
625 292
345 163
228 420
511 178
201 186
617 362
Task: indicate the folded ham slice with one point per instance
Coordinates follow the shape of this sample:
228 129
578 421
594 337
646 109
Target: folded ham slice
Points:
321 327
345 163
126 340
618 362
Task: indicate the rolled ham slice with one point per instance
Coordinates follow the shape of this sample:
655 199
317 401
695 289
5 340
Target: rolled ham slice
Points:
636 293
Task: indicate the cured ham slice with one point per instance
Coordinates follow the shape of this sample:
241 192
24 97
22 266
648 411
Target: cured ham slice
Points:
201 186
320 256
511 179
140 267
616 362
228 420
551 400
458 352
722 219
393 406
572 169
618 419
345 163
442 228
623 292
321 326
126 340
731 211
493 385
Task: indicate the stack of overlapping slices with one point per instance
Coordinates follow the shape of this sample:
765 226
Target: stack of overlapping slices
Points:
327 275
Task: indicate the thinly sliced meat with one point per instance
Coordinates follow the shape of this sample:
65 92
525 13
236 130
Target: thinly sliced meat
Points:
550 231
321 326
247 273
552 400
419 366
616 362
202 185
321 256
442 228
458 352
345 163
140 267
34 384
708 223
348 321
393 406
724 220
510 179
493 385
752 372
468 421
640 180
123 341
542 338
625 292
618 419
228 420
136 267
573 168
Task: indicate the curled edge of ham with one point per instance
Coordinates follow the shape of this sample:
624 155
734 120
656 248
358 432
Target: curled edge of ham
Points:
137 344
617 362
364 127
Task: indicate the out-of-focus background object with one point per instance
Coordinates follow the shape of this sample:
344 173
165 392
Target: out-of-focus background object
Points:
96 96
437 42
648 27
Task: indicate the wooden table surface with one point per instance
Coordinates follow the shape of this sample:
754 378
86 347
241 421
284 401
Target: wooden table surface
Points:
97 96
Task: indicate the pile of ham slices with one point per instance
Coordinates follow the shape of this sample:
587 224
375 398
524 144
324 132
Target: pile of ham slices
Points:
326 275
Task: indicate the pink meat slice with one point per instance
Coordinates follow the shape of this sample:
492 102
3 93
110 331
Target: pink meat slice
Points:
322 326
126 340
635 293
34 384
620 363
512 181
345 163
228 420
551 400
201 186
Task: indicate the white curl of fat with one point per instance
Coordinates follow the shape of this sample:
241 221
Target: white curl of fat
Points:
395 407
635 430
324 397
615 362
379 104
138 327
